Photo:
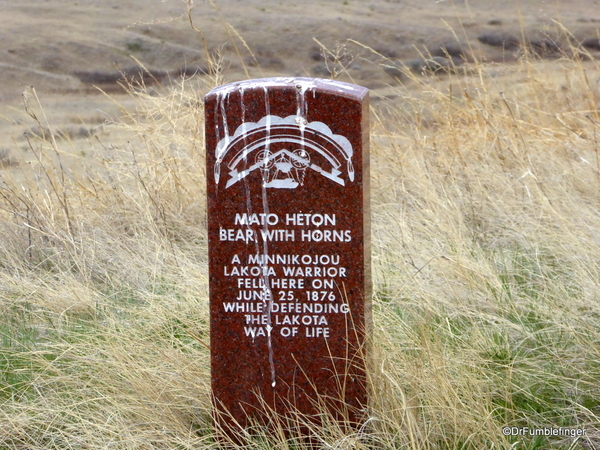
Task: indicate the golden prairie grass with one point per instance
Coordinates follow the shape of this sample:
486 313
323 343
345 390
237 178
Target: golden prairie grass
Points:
486 251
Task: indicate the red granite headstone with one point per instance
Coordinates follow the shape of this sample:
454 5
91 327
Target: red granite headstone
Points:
288 233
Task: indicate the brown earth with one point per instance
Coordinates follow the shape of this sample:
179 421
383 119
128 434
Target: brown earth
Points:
67 48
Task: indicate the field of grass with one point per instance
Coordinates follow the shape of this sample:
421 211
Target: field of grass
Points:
486 268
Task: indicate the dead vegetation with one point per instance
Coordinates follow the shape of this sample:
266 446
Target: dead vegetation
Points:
485 186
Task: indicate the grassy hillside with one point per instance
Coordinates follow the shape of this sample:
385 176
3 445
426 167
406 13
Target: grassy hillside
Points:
486 267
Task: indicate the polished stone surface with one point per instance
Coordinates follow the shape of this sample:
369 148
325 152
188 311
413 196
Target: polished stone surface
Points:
288 230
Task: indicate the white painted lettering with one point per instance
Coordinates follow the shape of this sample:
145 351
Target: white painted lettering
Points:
278 235
254 319
244 271
245 295
326 235
254 331
317 332
317 220
287 283
319 283
251 283
233 235
256 219
289 331
293 260
243 307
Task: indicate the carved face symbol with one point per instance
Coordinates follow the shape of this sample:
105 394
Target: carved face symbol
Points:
266 146
283 160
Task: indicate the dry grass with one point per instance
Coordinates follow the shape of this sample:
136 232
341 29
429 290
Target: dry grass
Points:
486 272
487 255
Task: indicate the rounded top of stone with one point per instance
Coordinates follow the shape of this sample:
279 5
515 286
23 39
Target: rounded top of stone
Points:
303 84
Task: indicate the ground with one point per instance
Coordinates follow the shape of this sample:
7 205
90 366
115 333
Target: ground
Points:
70 49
